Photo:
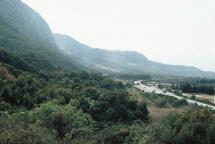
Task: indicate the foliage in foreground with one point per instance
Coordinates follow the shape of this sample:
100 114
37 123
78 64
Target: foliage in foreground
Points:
62 107
79 107
196 126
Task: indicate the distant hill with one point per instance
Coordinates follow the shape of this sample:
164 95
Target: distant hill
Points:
121 61
24 33
27 42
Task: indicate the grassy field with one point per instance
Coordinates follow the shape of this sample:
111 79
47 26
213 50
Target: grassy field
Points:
205 97
155 112
202 97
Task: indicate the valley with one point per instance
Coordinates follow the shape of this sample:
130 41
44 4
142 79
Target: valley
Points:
153 88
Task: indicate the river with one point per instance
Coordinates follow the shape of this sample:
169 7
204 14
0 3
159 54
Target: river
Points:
151 89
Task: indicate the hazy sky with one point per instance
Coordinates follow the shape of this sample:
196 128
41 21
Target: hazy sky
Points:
168 31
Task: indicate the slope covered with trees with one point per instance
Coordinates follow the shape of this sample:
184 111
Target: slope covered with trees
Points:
24 33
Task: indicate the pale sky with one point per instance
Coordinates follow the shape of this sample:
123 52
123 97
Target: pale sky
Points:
167 31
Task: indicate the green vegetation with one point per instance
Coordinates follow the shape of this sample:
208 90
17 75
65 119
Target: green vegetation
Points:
81 107
24 34
133 77
163 101
193 85
188 88
62 105
196 126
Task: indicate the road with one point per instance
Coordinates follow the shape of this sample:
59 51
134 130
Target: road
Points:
150 89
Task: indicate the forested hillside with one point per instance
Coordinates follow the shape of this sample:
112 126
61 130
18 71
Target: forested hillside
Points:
24 33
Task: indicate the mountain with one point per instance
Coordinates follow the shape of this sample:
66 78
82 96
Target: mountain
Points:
26 38
24 33
121 61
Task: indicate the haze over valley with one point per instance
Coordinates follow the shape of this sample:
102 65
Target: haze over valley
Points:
171 32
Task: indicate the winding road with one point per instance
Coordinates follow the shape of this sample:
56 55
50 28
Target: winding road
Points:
150 89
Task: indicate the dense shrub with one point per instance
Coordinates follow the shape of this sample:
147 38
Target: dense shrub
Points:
194 126
67 106
165 101
31 134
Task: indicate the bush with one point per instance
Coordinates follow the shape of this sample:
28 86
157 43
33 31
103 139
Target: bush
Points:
63 119
31 134
179 103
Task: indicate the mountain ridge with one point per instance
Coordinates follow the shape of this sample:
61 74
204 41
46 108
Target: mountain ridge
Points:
122 61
